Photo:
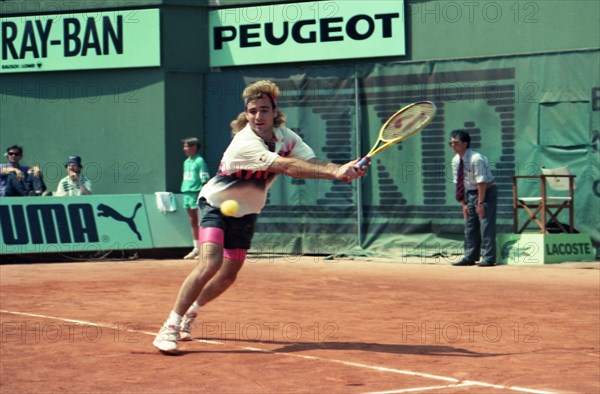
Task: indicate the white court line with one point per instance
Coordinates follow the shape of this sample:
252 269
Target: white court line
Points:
463 384
513 388
417 389
330 360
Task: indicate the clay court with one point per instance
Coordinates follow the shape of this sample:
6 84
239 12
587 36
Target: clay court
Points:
304 325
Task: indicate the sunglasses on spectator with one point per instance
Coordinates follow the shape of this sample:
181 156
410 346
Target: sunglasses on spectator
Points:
14 154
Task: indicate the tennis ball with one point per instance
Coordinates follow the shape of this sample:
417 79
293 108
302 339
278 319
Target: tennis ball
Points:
229 207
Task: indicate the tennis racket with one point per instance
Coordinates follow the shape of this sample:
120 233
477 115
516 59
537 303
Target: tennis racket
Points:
401 125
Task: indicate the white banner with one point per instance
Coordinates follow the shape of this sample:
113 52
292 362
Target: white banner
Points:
115 39
297 32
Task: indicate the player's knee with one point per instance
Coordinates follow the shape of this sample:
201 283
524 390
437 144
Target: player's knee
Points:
212 269
207 269
229 278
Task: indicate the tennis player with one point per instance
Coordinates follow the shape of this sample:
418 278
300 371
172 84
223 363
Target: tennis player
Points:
262 148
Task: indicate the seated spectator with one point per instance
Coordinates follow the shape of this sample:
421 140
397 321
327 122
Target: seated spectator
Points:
17 180
74 184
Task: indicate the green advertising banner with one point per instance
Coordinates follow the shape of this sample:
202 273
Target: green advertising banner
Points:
536 249
70 224
312 31
97 40
522 112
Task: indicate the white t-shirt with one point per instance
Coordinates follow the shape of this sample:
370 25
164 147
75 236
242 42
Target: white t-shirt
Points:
66 187
244 175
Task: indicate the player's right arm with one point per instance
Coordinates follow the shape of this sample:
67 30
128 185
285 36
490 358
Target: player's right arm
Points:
316 169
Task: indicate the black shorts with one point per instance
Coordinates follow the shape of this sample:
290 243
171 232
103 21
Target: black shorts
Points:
238 232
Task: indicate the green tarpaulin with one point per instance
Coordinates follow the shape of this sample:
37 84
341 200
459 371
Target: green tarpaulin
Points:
523 112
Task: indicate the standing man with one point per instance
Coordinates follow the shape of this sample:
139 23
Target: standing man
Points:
195 175
477 194
75 183
261 149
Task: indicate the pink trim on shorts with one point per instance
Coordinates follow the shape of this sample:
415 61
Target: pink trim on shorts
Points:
211 234
235 254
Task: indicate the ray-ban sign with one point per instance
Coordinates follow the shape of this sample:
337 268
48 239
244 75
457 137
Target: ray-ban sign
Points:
97 40
312 31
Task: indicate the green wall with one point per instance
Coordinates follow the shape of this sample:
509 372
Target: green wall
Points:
523 112
127 124
443 29
113 119
440 29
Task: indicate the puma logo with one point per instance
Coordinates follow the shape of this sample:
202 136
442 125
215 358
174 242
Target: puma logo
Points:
108 212
506 248
525 250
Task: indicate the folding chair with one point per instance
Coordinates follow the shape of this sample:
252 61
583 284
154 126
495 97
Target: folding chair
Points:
544 207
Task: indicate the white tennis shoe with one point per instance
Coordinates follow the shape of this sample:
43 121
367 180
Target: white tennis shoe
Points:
166 339
185 329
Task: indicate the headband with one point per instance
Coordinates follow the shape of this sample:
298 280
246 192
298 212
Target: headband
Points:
271 98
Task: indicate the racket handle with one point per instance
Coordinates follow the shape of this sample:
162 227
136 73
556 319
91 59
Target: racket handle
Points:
364 162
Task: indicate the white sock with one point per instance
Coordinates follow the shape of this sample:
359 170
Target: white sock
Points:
193 309
195 244
174 319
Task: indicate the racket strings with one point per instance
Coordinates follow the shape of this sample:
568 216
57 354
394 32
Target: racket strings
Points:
407 122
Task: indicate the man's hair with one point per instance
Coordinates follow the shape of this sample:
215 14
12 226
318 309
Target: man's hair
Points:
258 90
17 147
462 135
191 141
